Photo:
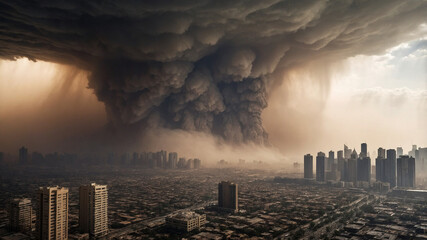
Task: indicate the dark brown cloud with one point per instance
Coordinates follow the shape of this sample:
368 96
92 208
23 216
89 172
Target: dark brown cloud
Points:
198 65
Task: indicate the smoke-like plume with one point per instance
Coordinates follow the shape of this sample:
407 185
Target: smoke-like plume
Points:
198 65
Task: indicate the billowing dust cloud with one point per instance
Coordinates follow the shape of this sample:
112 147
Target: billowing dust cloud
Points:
206 66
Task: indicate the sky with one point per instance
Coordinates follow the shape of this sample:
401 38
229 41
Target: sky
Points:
264 81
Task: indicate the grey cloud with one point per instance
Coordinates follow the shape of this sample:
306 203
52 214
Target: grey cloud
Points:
199 65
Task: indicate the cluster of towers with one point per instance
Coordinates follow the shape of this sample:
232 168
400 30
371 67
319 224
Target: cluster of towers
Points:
352 167
52 212
160 159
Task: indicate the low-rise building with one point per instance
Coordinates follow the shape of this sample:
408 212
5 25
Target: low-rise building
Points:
186 221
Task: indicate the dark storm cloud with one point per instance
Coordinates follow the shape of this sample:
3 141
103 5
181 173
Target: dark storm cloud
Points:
198 65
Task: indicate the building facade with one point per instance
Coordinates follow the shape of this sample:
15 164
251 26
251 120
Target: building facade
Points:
93 214
228 196
186 221
320 167
308 166
406 171
52 213
21 215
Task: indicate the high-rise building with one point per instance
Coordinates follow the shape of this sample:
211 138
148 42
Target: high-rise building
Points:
340 162
93 214
364 169
381 153
1 157
406 171
173 160
399 151
308 166
364 150
390 168
20 213
347 152
320 167
330 161
52 213
197 163
352 167
23 155
228 196
380 169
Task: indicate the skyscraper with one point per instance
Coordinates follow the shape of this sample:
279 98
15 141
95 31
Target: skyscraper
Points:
364 150
381 152
406 171
228 196
93 214
320 167
399 151
52 213
308 166
352 167
364 169
331 160
347 152
390 168
173 160
23 155
20 213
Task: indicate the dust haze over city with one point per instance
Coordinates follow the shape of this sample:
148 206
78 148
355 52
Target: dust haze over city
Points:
253 92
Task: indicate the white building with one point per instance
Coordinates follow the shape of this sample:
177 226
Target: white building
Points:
93 214
186 221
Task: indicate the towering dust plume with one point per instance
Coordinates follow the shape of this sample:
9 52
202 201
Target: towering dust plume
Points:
203 65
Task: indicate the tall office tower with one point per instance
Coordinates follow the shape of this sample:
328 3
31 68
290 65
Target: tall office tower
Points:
347 152
52 213
406 171
173 160
228 196
380 169
1 157
20 215
320 167
340 162
182 163
363 150
197 163
330 161
189 164
93 214
399 151
390 168
135 158
23 155
412 152
364 169
381 153
164 158
308 166
352 167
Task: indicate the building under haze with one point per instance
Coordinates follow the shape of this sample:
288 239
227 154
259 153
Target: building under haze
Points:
93 214
352 167
20 212
23 155
399 151
308 166
406 171
363 150
390 168
228 196
52 213
320 167
364 169
186 221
